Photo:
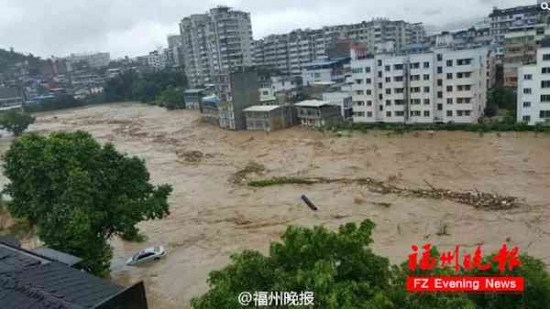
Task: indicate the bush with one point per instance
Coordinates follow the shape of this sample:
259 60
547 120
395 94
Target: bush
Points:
15 121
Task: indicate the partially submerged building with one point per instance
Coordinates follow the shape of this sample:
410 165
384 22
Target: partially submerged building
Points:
10 98
269 117
243 93
192 98
315 113
210 109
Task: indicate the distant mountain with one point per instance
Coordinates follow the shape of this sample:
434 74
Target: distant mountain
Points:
462 24
8 59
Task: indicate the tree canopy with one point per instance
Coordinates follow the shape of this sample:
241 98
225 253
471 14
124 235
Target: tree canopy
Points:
343 272
15 121
80 193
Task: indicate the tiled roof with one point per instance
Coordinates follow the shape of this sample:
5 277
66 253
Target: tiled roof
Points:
30 281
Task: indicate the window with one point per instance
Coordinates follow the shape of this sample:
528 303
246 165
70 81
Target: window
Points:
369 92
398 67
545 84
367 69
399 102
426 89
459 113
380 86
528 77
449 75
388 91
546 57
379 74
387 68
449 100
415 65
415 113
426 77
415 101
426 65
449 88
358 81
526 118
545 98
415 89
440 94
526 104
464 61
388 114
359 92
439 70
379 62
398 79
449 63
398 90
463 100
527 90
359 114
380 107
449 113
369 114
439 107
415 77
545 70
544 114
369 103
440 82
399 113
380 97
368 81
388 102
357 70
426 101
439 57
426 113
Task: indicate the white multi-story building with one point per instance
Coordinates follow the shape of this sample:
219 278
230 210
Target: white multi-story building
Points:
440 86
503 19
175 50
290 52
533 104
157 59
215 43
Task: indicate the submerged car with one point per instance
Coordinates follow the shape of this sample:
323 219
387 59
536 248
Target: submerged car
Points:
146 255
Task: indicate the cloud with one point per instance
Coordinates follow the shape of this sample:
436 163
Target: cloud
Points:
124 27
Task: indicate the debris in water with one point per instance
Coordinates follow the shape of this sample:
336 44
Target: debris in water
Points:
309 203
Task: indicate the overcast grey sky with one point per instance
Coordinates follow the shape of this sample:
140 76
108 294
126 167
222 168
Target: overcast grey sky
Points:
134 27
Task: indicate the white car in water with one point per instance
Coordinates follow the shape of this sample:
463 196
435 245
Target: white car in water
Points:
146 255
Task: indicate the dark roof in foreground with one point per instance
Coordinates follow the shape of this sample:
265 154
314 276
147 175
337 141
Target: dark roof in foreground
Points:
31 281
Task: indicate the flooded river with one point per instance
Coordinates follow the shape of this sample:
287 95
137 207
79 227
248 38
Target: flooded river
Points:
212 215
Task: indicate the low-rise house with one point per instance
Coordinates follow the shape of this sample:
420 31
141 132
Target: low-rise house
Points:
10 98
192 98
315 113
326 70
210 109
269 117
45 278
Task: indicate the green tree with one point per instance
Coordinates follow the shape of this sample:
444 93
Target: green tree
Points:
15 121
171 98
80 193
343 272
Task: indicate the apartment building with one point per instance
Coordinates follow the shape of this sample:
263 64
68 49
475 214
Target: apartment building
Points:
243 93
533 90
215 43
94 60
157 60
503 19
289 53
175 50
440 86
520 48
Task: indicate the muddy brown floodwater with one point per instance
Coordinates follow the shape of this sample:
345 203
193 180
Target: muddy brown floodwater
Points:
212 216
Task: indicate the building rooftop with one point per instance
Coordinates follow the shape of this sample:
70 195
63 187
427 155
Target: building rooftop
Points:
268 98
312 103
30 280
261 108
191 91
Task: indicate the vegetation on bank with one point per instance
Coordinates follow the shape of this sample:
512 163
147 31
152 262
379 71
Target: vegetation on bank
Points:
78 194
165 87
404 128
342 271
15 121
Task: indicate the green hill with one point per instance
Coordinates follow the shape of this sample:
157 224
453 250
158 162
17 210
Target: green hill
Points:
8 58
